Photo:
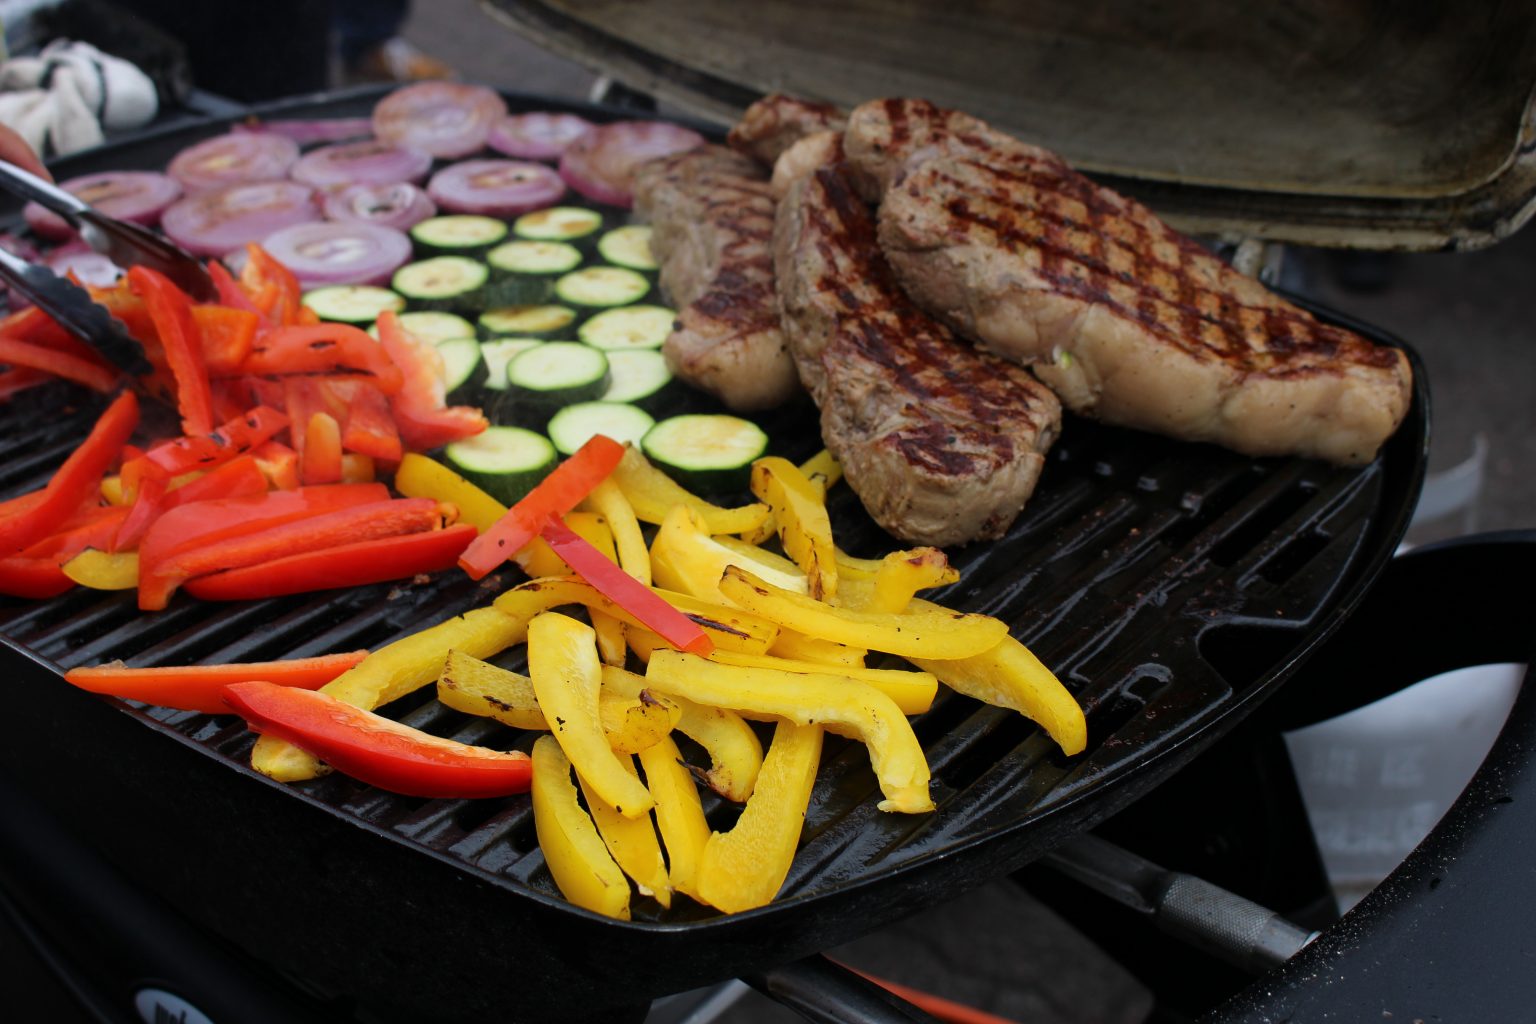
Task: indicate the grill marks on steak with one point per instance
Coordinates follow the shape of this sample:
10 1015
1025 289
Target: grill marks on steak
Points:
1129 321
712 230
942 443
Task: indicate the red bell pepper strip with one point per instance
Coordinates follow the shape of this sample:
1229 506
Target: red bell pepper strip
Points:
314 533
370 428
378 750
149 491
94 528
238 478
205 522
21 503
322 348
227 336
231 294
262 273
171 311
624 590
93 374
76 481
32 577
201 687
233 438
349 565
423 420
555 495
320 462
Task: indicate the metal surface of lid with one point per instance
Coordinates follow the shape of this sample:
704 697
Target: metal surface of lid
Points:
1334 122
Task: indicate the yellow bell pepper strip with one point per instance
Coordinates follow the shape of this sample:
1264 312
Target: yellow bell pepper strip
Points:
201 687
378 750
422 477
735 753
567 679
390 673
679 812
799 647
903 573
608 501
555 495
684 557
574 852
727 627
821 470
624 590
631 841
932 634
478 688
843 705
746 867
97 570
766 558
652 494
913 692
1010 676
804 529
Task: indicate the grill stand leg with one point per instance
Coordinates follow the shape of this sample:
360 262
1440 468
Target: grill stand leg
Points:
822 991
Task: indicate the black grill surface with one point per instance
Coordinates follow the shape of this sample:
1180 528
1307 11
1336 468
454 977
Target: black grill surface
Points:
1171 587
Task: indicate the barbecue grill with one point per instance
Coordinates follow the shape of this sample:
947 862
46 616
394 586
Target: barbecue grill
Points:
1173 587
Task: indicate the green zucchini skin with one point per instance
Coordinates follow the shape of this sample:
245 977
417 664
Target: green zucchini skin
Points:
641 378
506 462
706 453
448 284
457 234
574 425
356 304
543 380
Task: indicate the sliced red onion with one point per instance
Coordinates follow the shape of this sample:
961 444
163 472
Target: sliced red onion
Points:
238 156
399 205
139 196
601 164
213 223
332 253
496 188
307 133
90 268
445 119
537 136
371 161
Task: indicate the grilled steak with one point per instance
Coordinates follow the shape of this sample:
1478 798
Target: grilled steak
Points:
712 229
941 442
774 123
811 152
1129 321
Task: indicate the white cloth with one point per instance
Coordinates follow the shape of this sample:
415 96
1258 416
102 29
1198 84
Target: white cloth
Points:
61 100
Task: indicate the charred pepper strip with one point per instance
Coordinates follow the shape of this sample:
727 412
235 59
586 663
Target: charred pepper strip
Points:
390 673
346 565
171 311
745 867
573 850
328 529
375 749
76 481
201 687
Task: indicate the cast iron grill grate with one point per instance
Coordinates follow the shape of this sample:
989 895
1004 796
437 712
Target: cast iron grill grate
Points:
1171 587
1134 550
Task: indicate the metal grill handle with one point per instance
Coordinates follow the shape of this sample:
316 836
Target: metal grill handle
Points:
1211 918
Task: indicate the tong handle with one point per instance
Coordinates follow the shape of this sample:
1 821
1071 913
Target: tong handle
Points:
29 186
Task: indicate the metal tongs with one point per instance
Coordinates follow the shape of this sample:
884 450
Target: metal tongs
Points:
123 243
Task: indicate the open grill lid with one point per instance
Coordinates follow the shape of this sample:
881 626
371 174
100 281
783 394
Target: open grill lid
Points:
1328 123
